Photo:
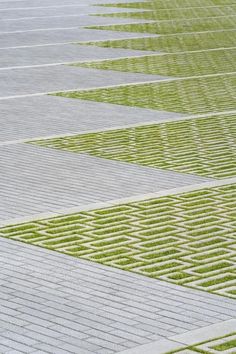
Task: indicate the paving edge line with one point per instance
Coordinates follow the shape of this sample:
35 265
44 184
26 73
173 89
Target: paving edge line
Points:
189 338
146 82
103 205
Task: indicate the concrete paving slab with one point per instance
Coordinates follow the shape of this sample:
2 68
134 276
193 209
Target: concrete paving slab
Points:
41 116
40 3
63 35
54 302
51 54
40 80
34 179
60 21
58 11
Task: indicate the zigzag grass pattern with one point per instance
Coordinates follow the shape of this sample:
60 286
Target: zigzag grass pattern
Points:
187 239
178 65
176 13
174 43
166 4
191 95
203 147
178 26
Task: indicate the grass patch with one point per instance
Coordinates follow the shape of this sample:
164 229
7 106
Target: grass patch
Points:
184 146
174 43
178 65
199 95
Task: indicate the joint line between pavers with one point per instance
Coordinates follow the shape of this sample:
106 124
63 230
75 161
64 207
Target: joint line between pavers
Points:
93 206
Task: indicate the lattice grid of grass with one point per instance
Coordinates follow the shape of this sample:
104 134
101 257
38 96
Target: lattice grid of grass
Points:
168 4
187 239
178 65
174 43
205 147
198 95
152 12
177 26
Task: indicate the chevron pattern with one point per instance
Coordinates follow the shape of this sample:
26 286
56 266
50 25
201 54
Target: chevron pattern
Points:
187 239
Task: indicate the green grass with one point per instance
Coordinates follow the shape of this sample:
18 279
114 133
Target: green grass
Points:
174 43
192 96
178 26
178 65
176 13
226 345
130 238
167 4
196 146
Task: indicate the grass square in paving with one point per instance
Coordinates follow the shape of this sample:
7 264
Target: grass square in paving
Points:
205 147
187 239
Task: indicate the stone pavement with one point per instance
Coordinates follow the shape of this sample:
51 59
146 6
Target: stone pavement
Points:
52 302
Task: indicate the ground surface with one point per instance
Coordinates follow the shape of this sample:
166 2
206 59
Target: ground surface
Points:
118 177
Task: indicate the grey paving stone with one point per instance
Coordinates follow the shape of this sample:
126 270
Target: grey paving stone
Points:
54 338
34 117
56 10
42 55
29 182
33 38
73 20
36 80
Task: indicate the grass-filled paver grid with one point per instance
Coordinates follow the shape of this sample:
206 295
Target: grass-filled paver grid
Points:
176 13
226 344
205 146
177 26
167 4
192 95
188 239
174 43
174 64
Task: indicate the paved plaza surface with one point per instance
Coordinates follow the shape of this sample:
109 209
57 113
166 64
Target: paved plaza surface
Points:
117 176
